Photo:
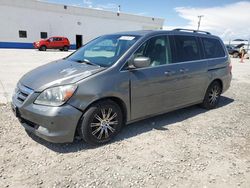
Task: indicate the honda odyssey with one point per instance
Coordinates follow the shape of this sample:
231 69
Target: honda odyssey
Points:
121 78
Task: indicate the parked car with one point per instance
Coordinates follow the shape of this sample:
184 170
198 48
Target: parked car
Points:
61 43
235 50
93 93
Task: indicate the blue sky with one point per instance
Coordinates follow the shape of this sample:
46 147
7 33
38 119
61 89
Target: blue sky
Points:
157 8
222 17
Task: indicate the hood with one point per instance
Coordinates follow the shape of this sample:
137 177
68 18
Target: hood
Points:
239 45
57 73
42 40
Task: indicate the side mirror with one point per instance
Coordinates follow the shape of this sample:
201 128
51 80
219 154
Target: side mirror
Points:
141 62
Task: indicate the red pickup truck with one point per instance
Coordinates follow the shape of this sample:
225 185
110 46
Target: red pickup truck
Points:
61 43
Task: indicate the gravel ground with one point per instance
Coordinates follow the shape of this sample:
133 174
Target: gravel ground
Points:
191 147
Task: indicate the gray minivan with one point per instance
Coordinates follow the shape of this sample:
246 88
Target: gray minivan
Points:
121 78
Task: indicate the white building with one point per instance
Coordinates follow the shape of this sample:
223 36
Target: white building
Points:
25 21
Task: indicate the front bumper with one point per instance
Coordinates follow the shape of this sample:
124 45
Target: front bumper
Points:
54 124
36 45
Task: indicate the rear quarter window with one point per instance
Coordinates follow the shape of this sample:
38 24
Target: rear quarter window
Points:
213 48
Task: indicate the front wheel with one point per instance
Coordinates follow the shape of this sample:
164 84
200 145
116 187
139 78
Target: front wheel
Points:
235 54
101 122
43 48
212 96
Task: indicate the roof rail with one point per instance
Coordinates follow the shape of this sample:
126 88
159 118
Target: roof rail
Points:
194 31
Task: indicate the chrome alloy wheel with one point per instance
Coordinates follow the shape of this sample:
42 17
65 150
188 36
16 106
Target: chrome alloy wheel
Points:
214 94
103 124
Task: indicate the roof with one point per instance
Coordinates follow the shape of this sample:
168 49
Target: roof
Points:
155 32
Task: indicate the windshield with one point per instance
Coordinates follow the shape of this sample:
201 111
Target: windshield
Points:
104 51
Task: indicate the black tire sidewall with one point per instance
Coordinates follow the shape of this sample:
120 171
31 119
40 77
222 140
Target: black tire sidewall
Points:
235 54
85 130
206 104
65 48
43 48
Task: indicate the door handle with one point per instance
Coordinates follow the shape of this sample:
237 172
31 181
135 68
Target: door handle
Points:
182 70
169 73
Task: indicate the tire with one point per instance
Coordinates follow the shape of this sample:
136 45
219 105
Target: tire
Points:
43 48
65 48
95 128
61 49
235 54
212 95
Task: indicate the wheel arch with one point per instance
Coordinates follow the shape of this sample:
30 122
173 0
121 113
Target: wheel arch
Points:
219 81
43 45
117 100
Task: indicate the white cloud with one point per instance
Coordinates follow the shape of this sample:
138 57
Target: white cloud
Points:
88 3
108 6
229 22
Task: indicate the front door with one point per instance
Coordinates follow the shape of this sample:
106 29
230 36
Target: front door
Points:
50 43
153 88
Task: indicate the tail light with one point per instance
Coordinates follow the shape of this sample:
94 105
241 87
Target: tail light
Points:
230 66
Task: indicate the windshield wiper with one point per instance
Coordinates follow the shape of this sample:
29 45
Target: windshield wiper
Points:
87 62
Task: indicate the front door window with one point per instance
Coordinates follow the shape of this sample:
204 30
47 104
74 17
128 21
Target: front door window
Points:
157 49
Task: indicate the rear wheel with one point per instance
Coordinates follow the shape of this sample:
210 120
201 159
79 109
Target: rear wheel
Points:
101 122
43 48
212 96
65 48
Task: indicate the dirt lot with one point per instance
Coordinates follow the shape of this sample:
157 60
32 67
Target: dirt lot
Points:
191 147
16 62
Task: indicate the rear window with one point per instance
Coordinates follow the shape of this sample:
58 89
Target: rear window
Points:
212 48
187 48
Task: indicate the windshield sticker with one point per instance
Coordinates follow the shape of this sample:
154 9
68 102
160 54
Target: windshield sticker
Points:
126 38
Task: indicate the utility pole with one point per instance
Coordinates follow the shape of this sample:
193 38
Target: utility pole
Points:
199 22
118 10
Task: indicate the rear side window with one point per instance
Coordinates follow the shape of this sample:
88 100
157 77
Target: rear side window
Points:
187 48
213 48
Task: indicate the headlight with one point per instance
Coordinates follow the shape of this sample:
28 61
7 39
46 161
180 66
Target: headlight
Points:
56 96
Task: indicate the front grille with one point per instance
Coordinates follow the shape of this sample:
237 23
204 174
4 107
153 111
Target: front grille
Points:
22 92
21 96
